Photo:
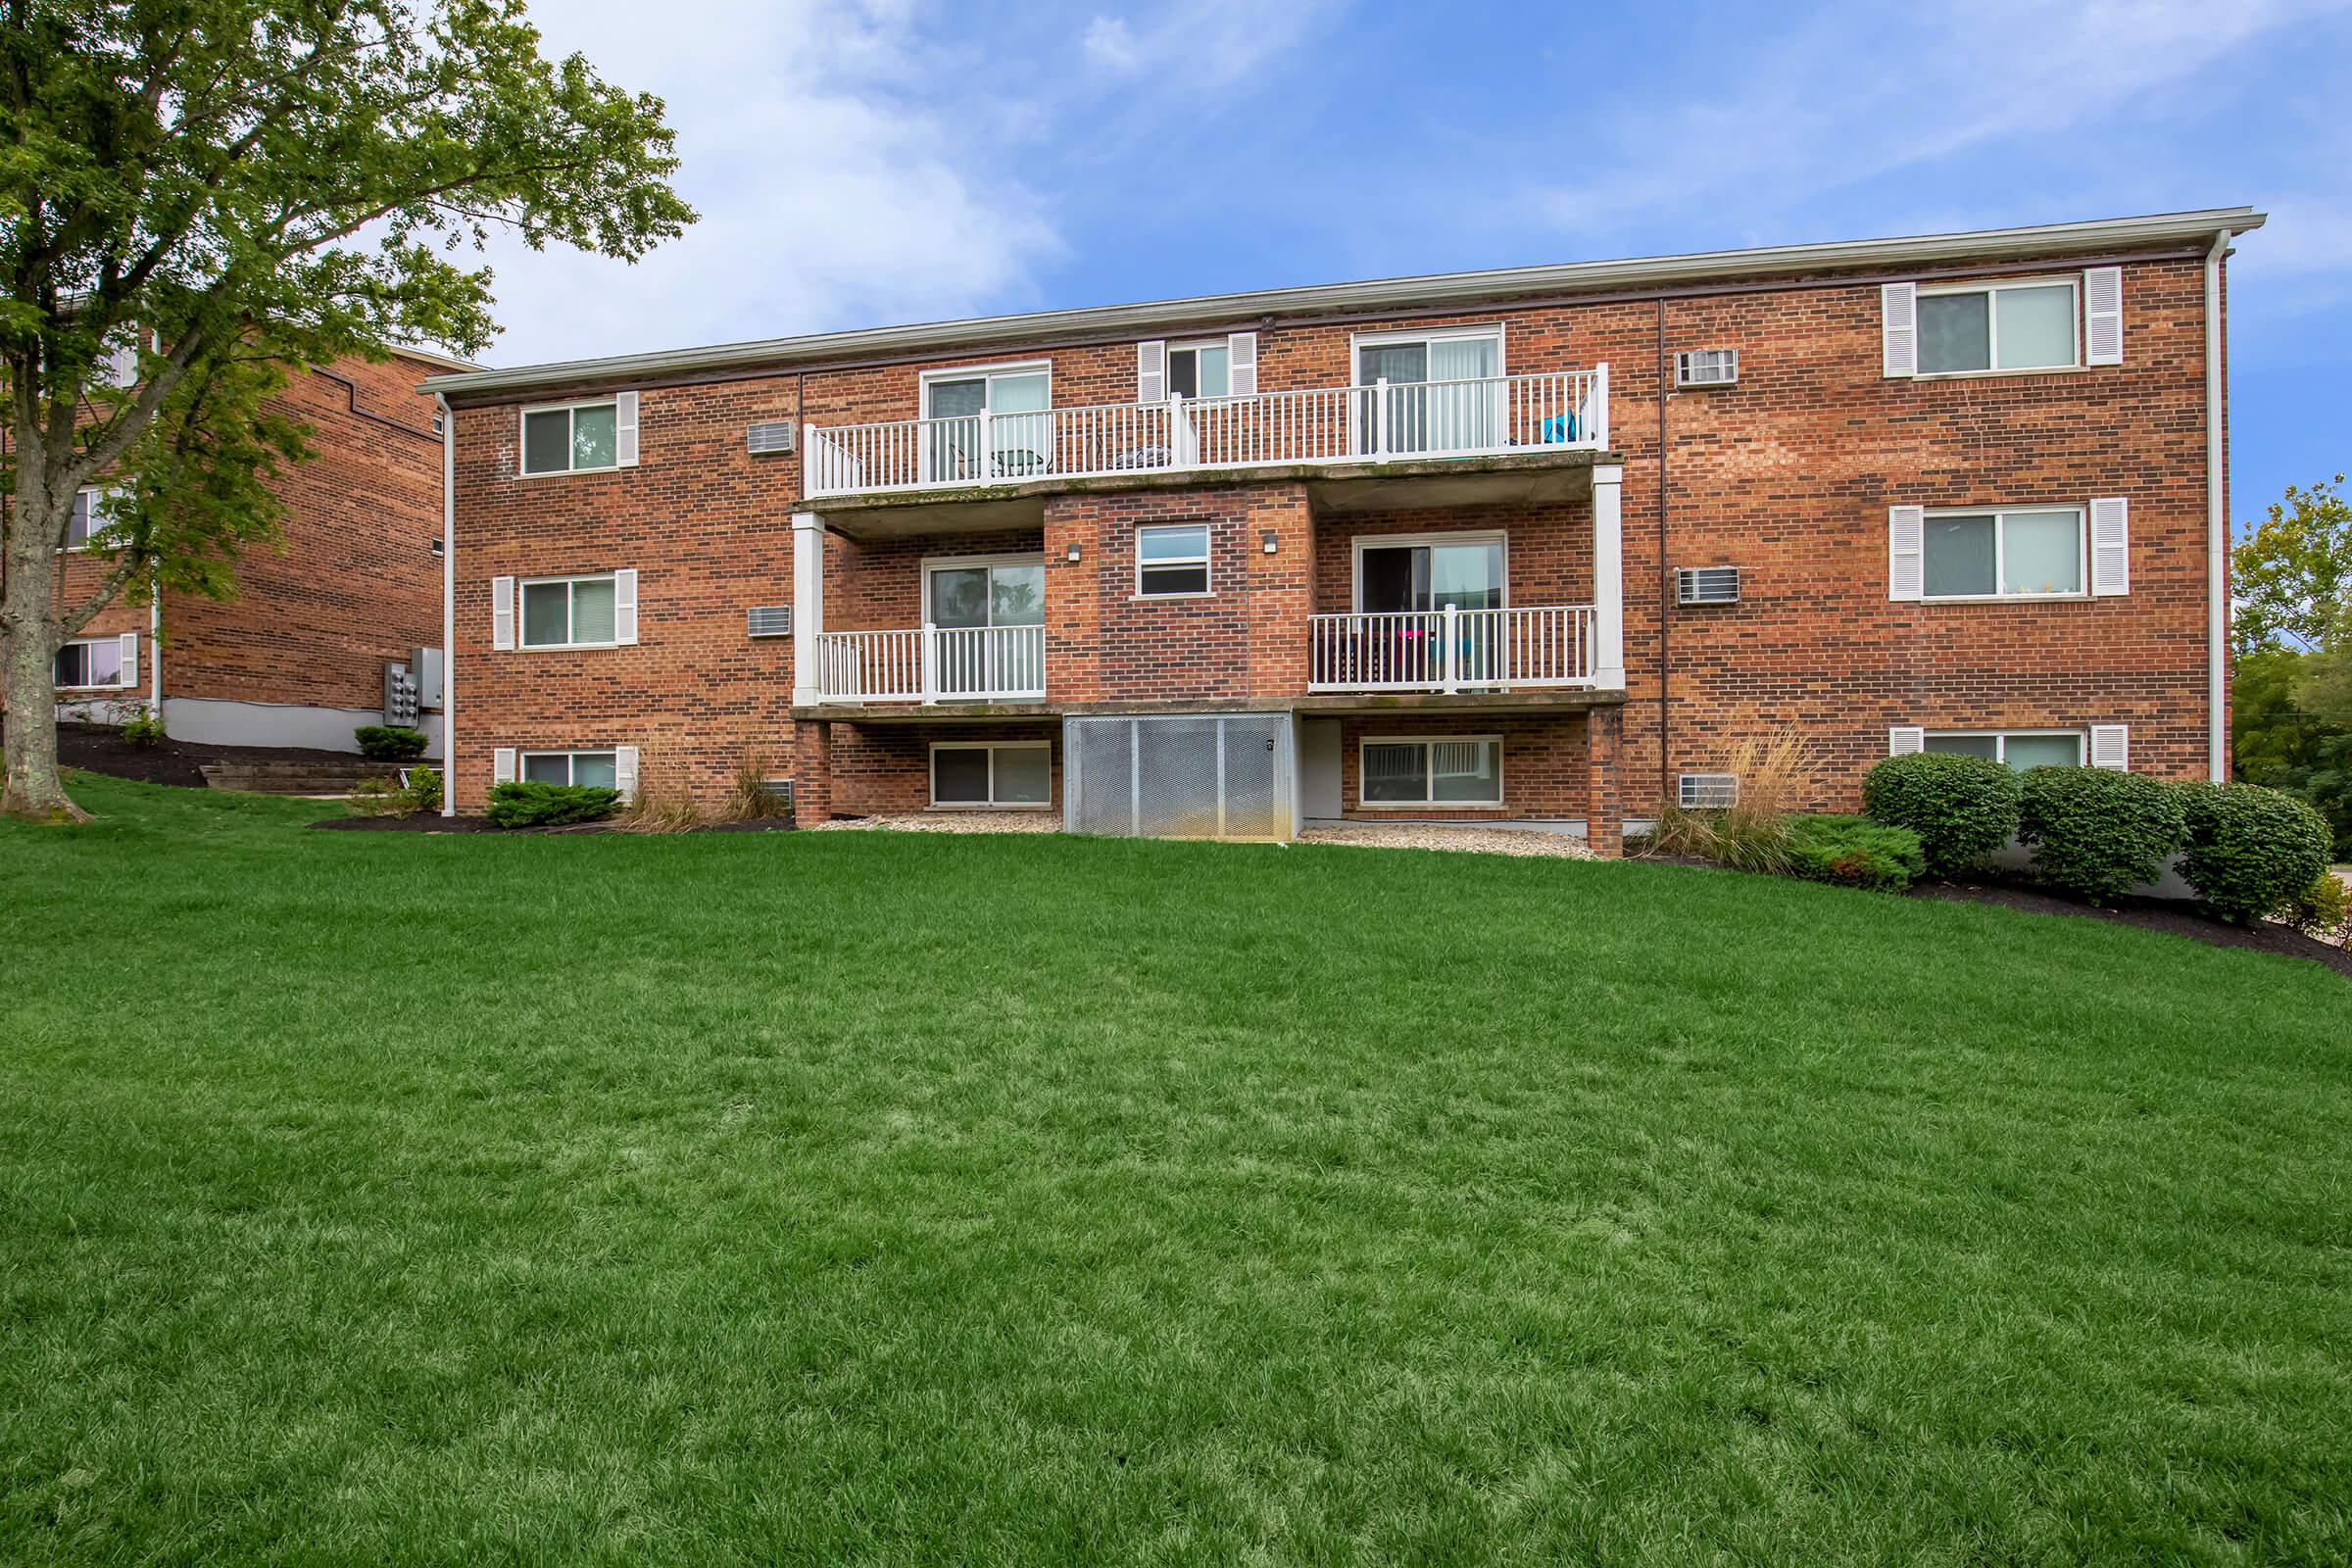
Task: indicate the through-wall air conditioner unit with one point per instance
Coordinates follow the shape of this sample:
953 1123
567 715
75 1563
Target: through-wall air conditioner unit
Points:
769 438
768 620
1708 792
1706 585
1706 368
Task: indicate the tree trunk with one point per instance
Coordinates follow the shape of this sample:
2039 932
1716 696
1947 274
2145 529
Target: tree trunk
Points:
28 681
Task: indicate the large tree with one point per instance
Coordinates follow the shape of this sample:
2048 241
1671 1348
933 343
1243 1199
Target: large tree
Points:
2292 577
199 198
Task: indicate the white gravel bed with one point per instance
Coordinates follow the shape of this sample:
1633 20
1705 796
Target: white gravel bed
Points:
1438 836
953 823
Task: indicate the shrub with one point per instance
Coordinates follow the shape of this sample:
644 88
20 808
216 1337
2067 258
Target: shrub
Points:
143 729
1962 808
389 743
2094 831
530 803
1855 852
2324 909
424 789
2248 852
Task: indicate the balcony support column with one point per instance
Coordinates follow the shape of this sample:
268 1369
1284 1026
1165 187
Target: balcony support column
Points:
807 603
1608 576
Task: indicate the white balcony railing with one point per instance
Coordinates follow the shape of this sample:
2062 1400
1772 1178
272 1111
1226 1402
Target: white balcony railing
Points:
932 665
1387 421
1450 650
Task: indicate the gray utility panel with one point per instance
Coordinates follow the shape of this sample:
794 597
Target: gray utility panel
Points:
1181 776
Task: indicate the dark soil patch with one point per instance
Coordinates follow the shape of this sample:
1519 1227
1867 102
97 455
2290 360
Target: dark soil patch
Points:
434 822
101 749
2171 917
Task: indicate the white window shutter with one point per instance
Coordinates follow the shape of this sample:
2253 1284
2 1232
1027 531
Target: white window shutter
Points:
2110 545
1906 551
1904 739
624 771
1899 328
1152 370
2111 746
1241 364
2103 315
625 430
624 606
130 659
502 612
502 765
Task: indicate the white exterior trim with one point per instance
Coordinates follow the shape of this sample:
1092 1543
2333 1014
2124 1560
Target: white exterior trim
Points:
1197 315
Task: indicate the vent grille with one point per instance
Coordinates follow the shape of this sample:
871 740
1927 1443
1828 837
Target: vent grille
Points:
1706 585
1701 792
769 438
768 620
1706 368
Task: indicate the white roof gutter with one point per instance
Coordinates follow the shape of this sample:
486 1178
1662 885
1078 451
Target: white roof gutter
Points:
2181 229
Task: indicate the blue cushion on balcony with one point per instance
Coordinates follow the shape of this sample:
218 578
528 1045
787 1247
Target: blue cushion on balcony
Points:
1560 427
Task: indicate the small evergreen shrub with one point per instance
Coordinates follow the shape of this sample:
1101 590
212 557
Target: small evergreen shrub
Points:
422 792
2324 909
390 743
143 729
1961 807
1855 852
2097 832
529 804
2249 852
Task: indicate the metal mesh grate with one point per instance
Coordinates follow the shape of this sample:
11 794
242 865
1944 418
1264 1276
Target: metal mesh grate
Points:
1180 777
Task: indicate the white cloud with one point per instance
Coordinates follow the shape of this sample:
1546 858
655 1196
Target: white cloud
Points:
843 173
1863 93
1111 46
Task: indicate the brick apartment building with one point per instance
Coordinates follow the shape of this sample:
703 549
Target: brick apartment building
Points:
1535 545
297 658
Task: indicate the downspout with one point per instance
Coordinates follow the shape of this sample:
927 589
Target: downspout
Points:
1665 573
2217 525
155 648
449 604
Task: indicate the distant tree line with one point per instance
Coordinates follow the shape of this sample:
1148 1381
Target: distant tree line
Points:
2290 723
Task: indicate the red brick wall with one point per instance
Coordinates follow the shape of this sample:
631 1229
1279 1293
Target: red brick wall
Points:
357 582
1787 474
887 768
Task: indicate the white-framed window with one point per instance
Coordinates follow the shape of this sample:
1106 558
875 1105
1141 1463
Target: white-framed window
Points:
1201 369
586 437
2032 324
588 770
2002 553
572 611
87 521
1430 770
992 774
2019 748
1698 791
96 663
1171 560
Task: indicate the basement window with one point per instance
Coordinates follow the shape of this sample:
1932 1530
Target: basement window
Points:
1442 770
591 769
1016 773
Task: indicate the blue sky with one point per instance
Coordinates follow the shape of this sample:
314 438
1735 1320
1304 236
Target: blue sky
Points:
860 164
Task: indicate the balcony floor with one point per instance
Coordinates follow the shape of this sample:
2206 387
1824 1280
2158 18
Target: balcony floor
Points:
1574 699
1508 478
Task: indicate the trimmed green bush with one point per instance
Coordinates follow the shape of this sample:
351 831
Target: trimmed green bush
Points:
2324 908
528 803
2097 832
424 791
389 743
1962 808
1855 852
2249 852
143 729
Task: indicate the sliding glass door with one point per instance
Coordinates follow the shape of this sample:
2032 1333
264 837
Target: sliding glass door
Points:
1011 404
971 604
1444 393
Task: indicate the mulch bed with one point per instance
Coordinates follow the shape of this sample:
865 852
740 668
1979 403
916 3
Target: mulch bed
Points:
434 822
101 749
2173 916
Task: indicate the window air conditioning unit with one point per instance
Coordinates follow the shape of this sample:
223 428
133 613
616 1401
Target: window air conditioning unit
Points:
769 438
1706 585
1706 368
1701 792
768 620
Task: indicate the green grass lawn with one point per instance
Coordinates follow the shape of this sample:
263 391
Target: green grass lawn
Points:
887 1197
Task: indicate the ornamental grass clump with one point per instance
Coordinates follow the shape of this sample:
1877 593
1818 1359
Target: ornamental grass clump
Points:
1752 834
1962 808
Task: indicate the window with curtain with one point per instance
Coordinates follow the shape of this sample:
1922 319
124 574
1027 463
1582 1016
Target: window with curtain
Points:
1442 391
2025 327
2002 554
2019 748
1440 770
